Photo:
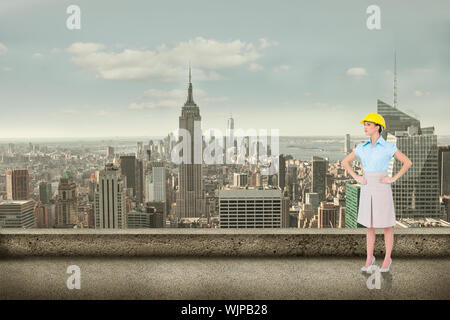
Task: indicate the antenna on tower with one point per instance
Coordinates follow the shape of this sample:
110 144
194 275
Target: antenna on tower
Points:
190 99
395 79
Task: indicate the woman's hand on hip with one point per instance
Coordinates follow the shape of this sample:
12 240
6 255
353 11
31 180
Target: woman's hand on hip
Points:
387 180
361 179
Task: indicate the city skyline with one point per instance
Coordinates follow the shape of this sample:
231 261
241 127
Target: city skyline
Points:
192 193
56 83
203 149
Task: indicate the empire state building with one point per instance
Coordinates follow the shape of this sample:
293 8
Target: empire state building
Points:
190 197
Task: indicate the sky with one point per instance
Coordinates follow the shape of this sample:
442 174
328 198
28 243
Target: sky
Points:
306 68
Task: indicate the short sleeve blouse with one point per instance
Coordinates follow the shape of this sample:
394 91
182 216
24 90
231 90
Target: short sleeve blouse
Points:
377 157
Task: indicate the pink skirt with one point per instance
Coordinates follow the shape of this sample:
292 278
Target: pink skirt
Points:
376 204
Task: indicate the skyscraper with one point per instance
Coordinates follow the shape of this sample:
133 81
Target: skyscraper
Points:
140 181
240 179
10 148
45 192
66 202
109 152
341 217
230 127
416 193
352 196
281 171
312 198
256 179
158 209
17 185
190 196
292 180
92 182
140 150
319 175
327 215
133 170
395 119
158 186
17 214
306 213
139 219
109 204
444 178
41 215
231 141
444 170
253 208
347 148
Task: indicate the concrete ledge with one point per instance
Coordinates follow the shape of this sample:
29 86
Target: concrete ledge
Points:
414 242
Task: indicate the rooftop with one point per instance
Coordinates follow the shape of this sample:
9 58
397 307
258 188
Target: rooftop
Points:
222 278
221 264
17 202
242 192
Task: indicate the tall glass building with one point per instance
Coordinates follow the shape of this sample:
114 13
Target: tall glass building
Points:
416 193
352 193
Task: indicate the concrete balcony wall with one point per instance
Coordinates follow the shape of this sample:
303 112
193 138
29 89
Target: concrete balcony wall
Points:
220 264
417 242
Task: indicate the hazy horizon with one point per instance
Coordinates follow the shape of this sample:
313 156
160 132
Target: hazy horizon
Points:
145 138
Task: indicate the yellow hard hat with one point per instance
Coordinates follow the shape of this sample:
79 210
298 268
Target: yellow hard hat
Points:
375 118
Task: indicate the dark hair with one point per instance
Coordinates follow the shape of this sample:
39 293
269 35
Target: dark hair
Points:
379 126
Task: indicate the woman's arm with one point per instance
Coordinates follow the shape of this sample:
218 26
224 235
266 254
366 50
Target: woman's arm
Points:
346 164
406 164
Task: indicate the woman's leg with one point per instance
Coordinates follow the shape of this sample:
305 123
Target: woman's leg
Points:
370 239
389 243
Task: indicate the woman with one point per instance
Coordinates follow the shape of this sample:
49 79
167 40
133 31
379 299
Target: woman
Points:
376 205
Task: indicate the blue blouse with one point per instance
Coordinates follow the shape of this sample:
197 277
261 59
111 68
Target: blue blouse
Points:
377 157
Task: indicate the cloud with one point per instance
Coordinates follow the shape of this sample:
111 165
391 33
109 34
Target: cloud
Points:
155 98
255 67
153 104
5 69
207 57
3 48
139 106
357 73
83 48
264 43
37 55
283 67
419 93
164 94
81 110
307 94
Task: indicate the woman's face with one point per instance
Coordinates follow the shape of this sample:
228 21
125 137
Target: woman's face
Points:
370 128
